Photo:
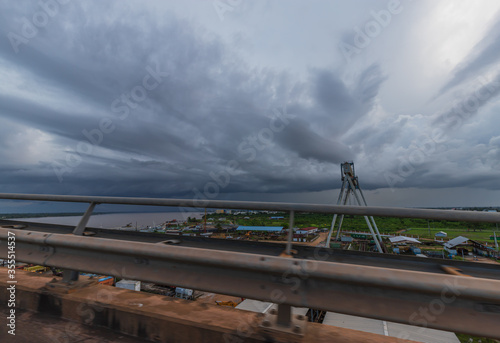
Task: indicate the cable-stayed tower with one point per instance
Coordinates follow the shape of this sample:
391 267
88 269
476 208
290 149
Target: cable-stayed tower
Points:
350 187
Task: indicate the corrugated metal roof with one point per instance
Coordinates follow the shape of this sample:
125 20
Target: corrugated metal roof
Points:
455 241
413 333
259 228
399 239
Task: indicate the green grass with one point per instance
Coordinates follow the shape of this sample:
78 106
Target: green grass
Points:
467 339
419 227
483 235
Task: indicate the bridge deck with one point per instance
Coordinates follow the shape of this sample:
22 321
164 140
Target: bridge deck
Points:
412 263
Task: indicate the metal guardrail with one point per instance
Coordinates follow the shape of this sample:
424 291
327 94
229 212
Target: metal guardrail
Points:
447 302
404 262
452 215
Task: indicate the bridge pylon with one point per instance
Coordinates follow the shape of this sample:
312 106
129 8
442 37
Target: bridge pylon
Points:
350 187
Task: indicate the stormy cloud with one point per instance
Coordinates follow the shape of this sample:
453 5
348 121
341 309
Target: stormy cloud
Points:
170 99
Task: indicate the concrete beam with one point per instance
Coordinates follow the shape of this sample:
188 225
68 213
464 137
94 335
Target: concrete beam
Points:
158 318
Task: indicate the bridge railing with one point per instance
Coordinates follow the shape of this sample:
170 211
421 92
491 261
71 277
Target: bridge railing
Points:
455 302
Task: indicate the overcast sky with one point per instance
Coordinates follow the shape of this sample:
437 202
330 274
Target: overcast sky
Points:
251 100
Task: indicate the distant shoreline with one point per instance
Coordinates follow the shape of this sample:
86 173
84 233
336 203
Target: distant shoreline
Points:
109 220
69 214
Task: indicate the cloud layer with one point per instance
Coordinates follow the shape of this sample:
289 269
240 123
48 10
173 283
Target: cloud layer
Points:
170 100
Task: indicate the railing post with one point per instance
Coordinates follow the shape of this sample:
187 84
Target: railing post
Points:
284 315
290 234
80 228
71 275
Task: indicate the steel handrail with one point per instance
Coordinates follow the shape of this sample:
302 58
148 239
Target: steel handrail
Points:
452 215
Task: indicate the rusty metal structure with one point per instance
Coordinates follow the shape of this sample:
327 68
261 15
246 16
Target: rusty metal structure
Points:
376 286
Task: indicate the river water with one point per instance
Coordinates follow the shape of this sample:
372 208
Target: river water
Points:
115 220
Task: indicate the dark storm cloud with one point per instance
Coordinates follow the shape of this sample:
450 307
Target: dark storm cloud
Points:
189 126
219 112
298 137
339 104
